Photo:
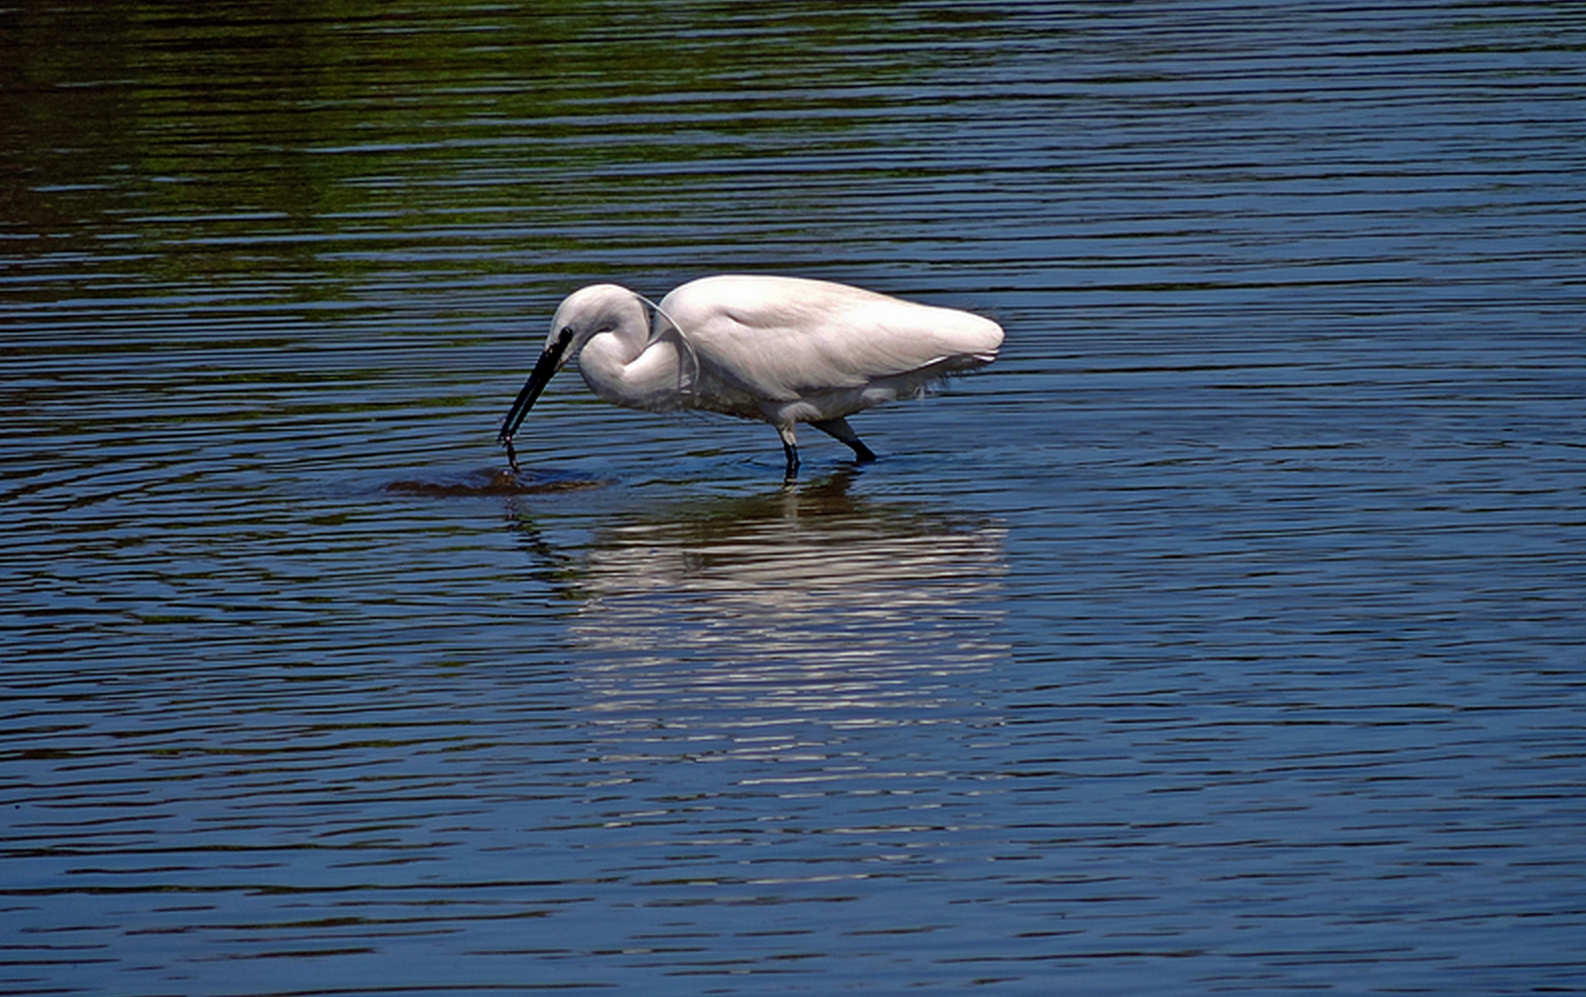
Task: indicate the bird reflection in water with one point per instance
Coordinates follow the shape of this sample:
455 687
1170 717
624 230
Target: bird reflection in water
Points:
717 619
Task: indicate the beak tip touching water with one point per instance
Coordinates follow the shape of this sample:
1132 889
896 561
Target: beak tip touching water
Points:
509 425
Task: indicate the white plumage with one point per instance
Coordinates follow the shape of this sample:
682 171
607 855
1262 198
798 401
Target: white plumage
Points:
782 350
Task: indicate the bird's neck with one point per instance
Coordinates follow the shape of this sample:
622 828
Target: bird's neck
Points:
620 367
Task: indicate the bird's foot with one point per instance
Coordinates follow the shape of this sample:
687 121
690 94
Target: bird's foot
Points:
512 454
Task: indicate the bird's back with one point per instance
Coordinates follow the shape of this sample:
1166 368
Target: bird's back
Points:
780 338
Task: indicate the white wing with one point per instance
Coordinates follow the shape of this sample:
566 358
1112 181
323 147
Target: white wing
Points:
781 338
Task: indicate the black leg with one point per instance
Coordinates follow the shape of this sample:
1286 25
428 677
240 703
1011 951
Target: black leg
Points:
838 429
792 460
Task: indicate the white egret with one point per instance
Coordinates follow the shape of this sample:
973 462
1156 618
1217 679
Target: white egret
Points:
782 350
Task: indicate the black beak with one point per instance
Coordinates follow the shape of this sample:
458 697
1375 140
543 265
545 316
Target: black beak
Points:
550 361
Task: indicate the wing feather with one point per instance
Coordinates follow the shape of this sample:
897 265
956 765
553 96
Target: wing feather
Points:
781 338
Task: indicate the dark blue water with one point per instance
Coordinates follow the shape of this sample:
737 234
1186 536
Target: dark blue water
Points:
1224 635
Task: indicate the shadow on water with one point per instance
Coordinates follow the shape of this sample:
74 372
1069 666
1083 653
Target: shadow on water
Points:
490 481
811 599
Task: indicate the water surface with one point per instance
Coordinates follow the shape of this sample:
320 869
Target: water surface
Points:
1223 636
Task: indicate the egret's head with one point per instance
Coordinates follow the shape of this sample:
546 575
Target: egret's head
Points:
590 311
584 314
